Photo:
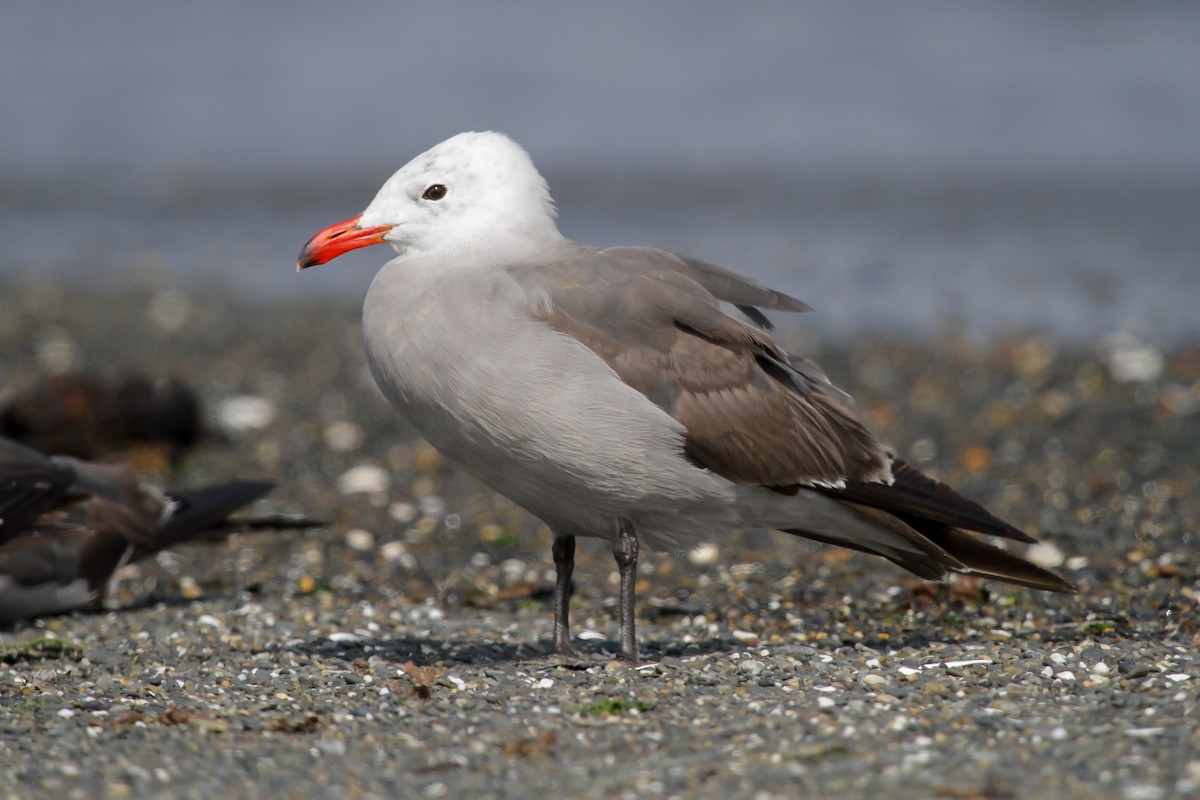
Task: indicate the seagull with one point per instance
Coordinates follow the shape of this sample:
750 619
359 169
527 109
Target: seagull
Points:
67 525
609 393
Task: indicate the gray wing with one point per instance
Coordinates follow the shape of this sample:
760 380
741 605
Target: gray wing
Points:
752 413
739 290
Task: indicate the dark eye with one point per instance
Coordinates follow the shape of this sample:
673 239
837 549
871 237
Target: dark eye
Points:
435 192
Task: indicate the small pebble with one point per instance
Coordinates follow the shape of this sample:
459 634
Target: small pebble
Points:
364 479
343 436
704 555
245 413
360 539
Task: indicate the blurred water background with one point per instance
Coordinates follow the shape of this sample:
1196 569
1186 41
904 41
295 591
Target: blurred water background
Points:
899 166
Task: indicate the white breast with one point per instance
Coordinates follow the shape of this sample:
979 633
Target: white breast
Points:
531 412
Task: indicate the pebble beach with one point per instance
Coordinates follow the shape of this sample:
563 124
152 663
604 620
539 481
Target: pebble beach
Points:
397 650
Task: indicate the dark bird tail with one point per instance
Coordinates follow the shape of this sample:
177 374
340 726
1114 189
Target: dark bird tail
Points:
205 512
925 522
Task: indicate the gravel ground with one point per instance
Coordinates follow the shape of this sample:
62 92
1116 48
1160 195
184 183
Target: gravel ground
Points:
396 652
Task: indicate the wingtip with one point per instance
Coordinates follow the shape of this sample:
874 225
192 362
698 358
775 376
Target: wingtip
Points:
1042 580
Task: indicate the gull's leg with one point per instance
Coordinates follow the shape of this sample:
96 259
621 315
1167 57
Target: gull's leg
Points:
626 553
563 551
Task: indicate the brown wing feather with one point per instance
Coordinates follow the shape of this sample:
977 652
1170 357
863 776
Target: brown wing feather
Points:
743 292
747 424
750 415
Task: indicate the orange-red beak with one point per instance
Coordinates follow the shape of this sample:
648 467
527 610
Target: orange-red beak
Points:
337 239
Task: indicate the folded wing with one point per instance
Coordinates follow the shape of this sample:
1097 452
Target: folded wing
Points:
757 415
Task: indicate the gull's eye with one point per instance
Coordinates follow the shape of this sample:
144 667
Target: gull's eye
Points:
435 191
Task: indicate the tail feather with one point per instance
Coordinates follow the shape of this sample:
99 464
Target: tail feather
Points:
928 568
199 511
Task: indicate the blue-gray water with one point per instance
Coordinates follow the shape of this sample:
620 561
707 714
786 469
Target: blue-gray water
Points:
1019 164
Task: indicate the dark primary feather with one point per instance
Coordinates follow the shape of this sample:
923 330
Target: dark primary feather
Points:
197 511
916 495
30 485
936 513
988 561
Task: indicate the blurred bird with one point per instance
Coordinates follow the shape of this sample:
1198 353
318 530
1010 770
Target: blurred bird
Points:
67 525
84 416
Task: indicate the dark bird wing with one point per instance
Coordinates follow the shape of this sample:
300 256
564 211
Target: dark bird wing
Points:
914 495
30 485
205 512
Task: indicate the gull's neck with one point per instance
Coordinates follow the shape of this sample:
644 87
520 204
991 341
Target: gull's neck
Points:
497 248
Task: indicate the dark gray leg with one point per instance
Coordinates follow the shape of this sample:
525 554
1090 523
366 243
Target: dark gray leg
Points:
626 553
563 551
